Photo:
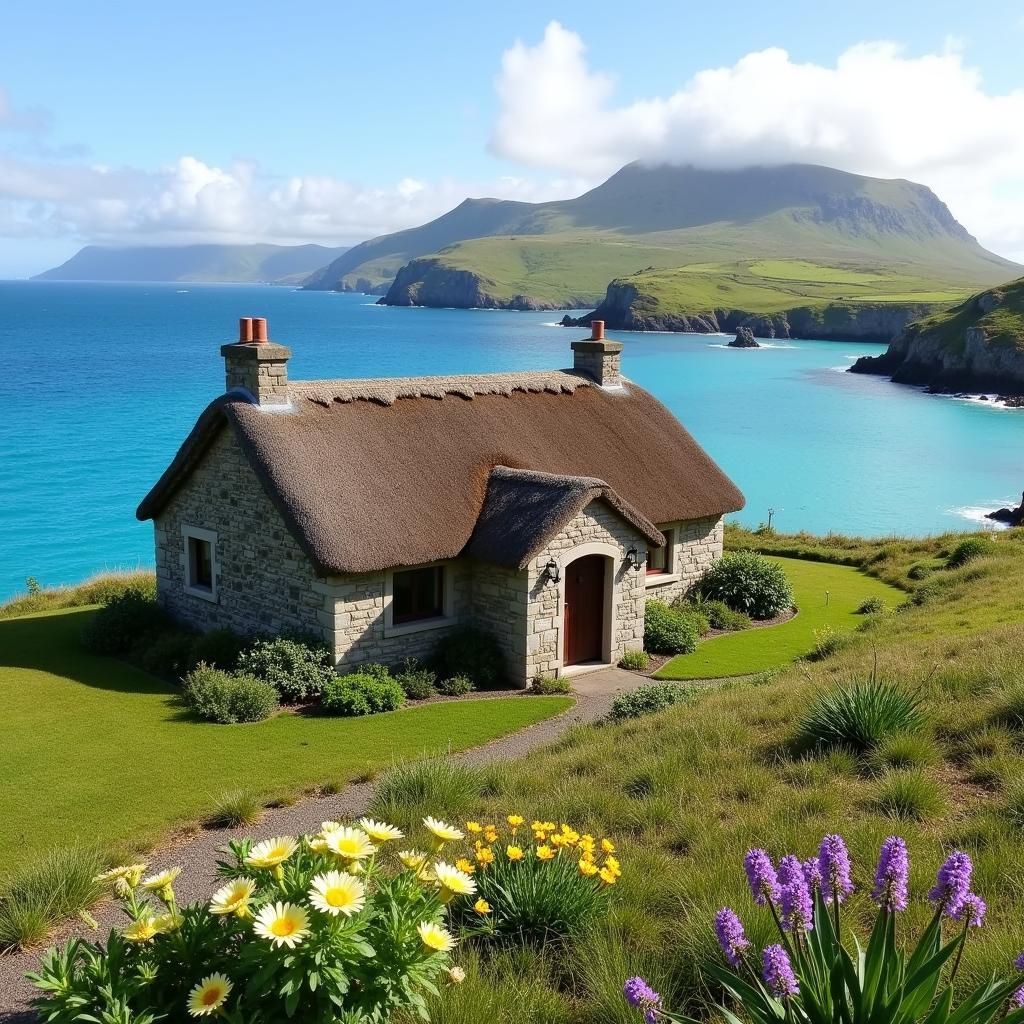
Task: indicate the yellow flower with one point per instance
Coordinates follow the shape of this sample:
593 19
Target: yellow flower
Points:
558 841
442 832
587 855
337 892
490 833
538 826
452 882
545 853
514 852
436 938
285 924
571 835
474 826
612 865
209 995
464 864
539 837
349 843
607 846
127 873
233 898
456 975
482 907
161 880
167 922
586 843
271 852
379 832
412 859
587 868
141 930
608 877
515 820
484 856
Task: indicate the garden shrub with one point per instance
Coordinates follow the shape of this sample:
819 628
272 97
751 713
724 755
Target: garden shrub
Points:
967 550
748 582
871 606
471 652
119 625
920 571
417 681
220 648
721 616
635 661
375 669
297 669
667 631
362 694
549 686
539 882
861 715
456 686
648 699
288 935
227 698
170 654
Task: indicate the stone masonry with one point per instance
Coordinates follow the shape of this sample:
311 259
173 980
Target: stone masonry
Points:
696 544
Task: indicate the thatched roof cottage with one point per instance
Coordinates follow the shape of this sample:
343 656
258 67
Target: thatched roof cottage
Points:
543 507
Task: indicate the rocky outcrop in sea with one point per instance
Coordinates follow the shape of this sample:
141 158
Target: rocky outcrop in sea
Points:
744 339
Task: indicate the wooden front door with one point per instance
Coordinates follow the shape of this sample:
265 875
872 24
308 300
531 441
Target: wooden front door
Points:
584 610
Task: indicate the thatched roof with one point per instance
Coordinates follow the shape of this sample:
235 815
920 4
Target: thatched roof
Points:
370 475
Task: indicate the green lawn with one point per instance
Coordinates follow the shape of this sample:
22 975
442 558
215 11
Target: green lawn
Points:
826 595
97 750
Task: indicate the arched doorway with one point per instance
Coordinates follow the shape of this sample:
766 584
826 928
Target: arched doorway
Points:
584 614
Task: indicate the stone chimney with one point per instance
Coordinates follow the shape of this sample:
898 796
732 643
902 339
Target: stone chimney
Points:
599 357
256 365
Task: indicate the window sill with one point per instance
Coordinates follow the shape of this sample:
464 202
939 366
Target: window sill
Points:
661 578
420 626
205 595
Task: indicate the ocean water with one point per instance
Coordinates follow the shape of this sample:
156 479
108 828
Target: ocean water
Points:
100 384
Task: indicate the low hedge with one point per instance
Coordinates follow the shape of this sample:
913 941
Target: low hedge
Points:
227 698
362 694
667 630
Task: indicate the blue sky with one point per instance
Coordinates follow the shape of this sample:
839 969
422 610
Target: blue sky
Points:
125 123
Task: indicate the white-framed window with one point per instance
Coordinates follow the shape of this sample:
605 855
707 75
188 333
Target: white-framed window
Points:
661 562
201 567
418 598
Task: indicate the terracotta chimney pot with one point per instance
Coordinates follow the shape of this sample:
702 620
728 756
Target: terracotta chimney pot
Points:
244 330
597 330
259 330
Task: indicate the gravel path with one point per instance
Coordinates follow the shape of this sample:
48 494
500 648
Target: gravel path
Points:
198 853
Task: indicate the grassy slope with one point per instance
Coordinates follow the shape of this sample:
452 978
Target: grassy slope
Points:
103 751
688 791
826 596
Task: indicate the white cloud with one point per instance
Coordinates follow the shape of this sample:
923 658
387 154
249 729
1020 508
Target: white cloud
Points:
877 111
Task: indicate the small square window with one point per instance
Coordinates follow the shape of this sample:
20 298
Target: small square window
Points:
417 594
200 562
659 560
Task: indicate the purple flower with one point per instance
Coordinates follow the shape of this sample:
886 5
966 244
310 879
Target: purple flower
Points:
971 910
812 872
795 898
778 972
953 883
1017 999
1019 963
764 883
731 937
834 864
892 876
638 993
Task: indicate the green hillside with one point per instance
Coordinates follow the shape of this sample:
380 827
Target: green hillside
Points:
758 240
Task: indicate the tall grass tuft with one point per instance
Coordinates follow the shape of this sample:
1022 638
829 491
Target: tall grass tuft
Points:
860 716
909 795
903 751
233 809
408 792
46 892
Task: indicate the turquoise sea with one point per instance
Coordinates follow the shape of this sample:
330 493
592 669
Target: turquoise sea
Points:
100 384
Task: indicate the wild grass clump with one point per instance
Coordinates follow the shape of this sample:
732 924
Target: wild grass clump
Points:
860 715
903 751
827 642
1009 710
46 892
871 606
970 549
234 809
100 589
910 795
408 792
550 686
649 699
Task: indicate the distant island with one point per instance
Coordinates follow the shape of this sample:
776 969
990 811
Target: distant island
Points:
791 251
977 347
257 264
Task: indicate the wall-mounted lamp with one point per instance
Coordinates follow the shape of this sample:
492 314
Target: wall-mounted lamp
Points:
633 559
552 571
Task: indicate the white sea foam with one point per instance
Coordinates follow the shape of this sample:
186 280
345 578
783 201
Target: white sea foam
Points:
977 513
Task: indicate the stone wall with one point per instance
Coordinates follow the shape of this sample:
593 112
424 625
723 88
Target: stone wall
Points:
698 543
597 524
264 581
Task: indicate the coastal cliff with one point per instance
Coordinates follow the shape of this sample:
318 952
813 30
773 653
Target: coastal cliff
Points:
626 307
429 282
975 347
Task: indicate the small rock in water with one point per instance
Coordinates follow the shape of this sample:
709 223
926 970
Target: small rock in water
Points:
1010 516
744 339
